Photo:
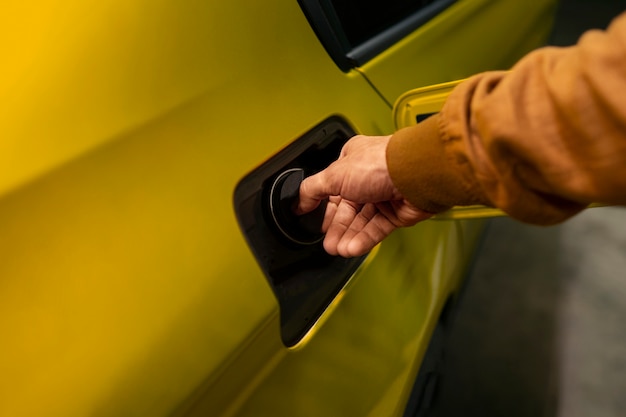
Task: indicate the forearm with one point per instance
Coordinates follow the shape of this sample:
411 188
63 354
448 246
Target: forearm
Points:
540 142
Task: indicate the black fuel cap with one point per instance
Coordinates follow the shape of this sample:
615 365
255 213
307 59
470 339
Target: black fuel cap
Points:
305 229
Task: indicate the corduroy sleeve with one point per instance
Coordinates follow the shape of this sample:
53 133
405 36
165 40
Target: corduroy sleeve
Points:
540 142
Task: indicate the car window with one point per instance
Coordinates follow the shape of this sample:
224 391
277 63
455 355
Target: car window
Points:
354 31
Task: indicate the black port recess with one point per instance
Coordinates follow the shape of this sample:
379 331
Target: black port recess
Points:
304 278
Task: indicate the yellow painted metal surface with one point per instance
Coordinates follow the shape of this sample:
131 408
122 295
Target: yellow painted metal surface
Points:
126 126
363 358
126 288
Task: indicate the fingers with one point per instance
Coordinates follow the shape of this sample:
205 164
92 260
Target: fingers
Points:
331 210
355 230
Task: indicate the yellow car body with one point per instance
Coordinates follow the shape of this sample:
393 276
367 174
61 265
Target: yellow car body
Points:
127 287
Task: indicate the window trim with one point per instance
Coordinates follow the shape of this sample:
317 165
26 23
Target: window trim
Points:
326 25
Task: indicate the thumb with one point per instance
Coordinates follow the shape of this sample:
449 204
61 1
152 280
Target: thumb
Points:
314 189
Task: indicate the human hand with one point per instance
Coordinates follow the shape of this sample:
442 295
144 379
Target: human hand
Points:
364 206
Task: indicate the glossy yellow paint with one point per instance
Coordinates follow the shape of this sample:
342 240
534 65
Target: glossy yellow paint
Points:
126 287
125 279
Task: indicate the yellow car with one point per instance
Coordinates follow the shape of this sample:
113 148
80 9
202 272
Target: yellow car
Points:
148 153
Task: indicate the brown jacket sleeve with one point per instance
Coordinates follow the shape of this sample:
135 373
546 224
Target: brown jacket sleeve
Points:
540 142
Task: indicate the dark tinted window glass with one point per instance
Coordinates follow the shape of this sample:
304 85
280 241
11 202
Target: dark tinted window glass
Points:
362 20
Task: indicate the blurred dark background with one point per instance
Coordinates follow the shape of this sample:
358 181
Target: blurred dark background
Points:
540 330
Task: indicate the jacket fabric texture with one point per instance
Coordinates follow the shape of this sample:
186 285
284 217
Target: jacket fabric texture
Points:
541 141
